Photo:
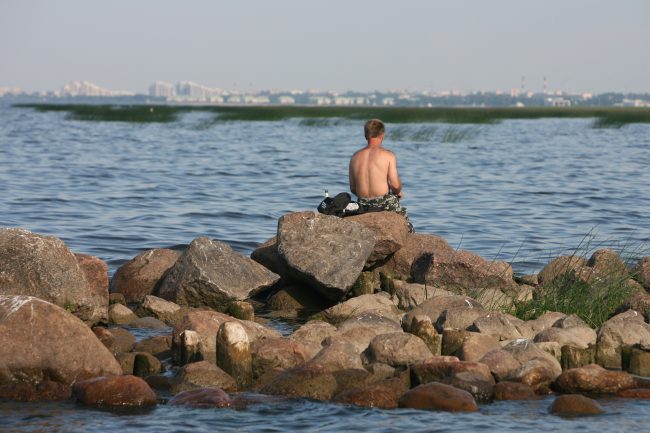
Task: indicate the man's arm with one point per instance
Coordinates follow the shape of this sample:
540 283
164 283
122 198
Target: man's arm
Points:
352 180
393 177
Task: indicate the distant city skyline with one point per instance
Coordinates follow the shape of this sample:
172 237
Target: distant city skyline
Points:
467 45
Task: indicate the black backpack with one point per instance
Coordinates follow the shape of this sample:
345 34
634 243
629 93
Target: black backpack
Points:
335 206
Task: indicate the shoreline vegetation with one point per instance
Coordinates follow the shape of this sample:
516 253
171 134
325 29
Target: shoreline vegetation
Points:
604 117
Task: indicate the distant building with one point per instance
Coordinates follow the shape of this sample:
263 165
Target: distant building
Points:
162 89
286 100
86 88
558 102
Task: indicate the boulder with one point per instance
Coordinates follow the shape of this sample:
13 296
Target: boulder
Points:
116 340
202 374
233 353
379 304
96 272
476 346
28 392
577 336
391 230
502 364
641 272
33 351
268 256
360 330
312 335
44 267
507 390
201 398
115 391
575 404
573 357
535 373
206 324
157 345
369 282
384 395
416 245
141 364
338 354
139 276
397 349
625 329
119 314
494 299
434 307
209 273
148 323
530 328
459 318
241 310
639 362
593 379
116 298
306 381
561 267
325 252
444 368
606 262
498 325
163 310
422 327
525 350
409 295
438 396
277 353
636 393
453 339
299 299
463 270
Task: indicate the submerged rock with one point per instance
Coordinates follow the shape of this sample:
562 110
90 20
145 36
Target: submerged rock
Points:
210 273
575 404
202 398
44 267
115 391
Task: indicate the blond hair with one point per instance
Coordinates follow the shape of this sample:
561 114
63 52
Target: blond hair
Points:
373 128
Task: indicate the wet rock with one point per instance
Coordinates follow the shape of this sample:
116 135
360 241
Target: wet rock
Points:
241 310
165 311
233 353
397 349
498 325
434 307
115 391
575 404
139 276
33 351
202 374
593 379
206 324
383 395
535 373
641 272
210 273
277 353
417 245
306 381
438 396
96 272
437 369
121 340
43 267
378 304
157 345
119 314
391 230
187 348
625 329
636 393
325 252
475 346
507 390
139 364
29 392
462 269
201 398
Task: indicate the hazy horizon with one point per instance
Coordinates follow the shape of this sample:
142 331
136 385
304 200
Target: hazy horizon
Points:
579 46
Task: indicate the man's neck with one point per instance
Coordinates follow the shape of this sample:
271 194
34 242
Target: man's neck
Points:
375 142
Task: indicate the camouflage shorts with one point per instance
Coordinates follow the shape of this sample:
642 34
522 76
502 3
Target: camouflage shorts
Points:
389 202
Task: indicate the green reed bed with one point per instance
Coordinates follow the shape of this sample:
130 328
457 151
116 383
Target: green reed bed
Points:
605 117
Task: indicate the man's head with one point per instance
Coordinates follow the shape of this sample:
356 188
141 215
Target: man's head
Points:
374 128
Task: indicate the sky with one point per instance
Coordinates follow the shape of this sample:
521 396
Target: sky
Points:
249 45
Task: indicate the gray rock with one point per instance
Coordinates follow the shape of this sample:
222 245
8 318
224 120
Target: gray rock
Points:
44 267
499 325
324 251
119 314
210 273
163 310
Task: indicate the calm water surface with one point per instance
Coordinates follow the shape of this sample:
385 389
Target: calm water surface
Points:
521 190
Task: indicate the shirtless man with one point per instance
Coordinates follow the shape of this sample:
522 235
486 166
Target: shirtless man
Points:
373 174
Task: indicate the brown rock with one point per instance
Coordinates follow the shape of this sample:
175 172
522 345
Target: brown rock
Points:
202 398
475 346
409 295
116 298
339 354
383 395
606 262
574 357
636 393
593 379
580 337
267 255
233 353
202 374
157 345
119 314
530 328
639 362
32 350
326 252
438 396
422 327
462 269
459 318
119 391
241 310
452 340
575 404
139 276
417 245
502 364
499 325
561 267
306 381
507 390
43 267
391 230
312 334
123 340
277 353
299 298
397 349
434 307
641 272
96 272
166 311
209 273
379 303
437 369
43 391
625 329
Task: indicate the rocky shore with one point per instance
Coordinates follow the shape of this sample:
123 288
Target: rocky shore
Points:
385 318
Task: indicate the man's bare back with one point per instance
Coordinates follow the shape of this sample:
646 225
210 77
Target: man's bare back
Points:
373 169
